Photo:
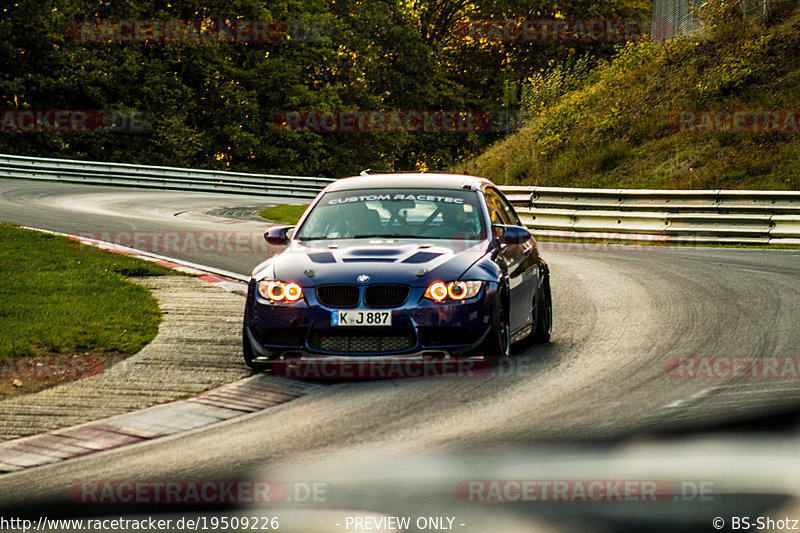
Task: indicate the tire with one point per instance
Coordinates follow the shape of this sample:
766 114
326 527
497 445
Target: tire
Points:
544 315
497 344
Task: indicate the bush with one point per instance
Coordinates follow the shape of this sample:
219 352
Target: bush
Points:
613 126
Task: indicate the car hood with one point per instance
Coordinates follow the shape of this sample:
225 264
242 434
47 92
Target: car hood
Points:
384 261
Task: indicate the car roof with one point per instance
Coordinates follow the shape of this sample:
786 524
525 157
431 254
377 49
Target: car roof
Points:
409 181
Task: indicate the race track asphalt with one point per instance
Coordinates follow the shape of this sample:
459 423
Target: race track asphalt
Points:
622 315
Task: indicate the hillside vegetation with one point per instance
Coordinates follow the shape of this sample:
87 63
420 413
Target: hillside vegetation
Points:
616 126
204 99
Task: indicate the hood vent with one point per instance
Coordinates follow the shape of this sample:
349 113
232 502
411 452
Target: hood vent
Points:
375 252
368 260
421 257
322 257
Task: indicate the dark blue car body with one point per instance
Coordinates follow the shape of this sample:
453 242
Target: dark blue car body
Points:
340 275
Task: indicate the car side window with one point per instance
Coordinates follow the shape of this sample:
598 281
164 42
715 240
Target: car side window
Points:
499 210
509 210
494 212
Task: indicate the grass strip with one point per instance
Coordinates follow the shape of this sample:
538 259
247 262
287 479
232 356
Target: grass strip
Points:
60 296
283 214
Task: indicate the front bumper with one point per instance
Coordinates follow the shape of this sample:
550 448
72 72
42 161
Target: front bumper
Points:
418 326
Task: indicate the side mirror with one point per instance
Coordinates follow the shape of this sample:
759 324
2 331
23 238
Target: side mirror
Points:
511 234
278 235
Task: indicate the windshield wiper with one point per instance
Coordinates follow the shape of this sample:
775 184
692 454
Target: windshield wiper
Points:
370 236
381 236
316 238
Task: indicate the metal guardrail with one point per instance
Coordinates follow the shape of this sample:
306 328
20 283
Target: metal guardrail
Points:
118 174
637 215
626 215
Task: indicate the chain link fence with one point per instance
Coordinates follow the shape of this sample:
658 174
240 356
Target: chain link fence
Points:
680 16
677 17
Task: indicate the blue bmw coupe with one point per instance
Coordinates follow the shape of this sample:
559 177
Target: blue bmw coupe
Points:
399 264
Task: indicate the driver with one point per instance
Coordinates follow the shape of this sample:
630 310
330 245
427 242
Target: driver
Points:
361 220
454 223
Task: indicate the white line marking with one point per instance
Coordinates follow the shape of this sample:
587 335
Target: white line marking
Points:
696 396
110 246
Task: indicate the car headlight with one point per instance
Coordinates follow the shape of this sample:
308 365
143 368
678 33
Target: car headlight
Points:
440 291
276 291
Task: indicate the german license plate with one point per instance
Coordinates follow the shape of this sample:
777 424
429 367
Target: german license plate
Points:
361 318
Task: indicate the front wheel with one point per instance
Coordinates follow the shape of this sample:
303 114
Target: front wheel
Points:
497 344
544 315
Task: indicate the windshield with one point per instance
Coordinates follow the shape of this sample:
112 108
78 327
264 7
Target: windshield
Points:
395 213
